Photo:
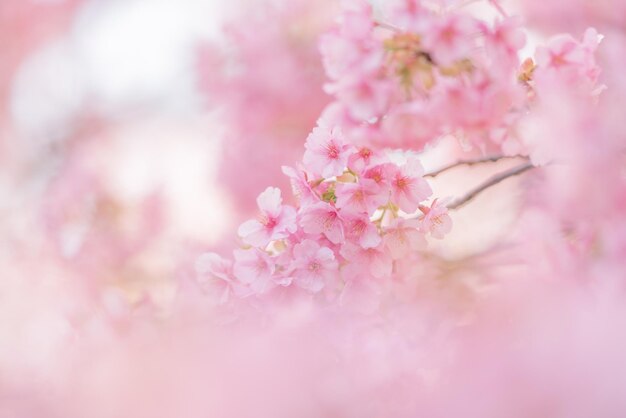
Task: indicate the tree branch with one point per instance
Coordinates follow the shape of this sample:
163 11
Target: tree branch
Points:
491 159
387 26
496 4
515 171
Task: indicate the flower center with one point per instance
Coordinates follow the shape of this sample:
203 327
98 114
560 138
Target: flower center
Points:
358 227
332 151
329 220
314 266
402 182
269 222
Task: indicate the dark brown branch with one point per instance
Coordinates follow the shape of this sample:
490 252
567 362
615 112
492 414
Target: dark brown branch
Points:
515 171
481 160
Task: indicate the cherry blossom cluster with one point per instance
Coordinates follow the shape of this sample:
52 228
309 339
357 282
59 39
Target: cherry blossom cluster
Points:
359 213
415 71
402 77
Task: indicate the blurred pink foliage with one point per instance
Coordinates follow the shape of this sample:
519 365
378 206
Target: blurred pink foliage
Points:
350 298
266 82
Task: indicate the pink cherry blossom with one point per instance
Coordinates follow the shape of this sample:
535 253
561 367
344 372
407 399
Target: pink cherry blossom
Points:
254 268
561 51
382 175
322 218
326 152
275 222
216 274
366 262
300 185
358 228
408 188
363 196
570 58
364 97
403 236
408 15
411 125
436 220
362 158
314 266
450 38
506 38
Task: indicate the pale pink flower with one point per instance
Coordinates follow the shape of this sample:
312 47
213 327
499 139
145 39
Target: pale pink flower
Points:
436 220
358 228
339 54
275 221
300 185
365 96
450 38
322 218
408 187
215 275
313 266
350 46
411 125
366 262
326 152
254 268
572 59
356 20
409 15
506 37
403 236
363 158
382 175
562 50
364 196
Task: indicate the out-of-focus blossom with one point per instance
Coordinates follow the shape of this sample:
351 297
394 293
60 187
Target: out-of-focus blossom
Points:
275 222
266 82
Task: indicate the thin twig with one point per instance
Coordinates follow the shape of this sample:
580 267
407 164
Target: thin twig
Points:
389 26
515 171
481 160
496 4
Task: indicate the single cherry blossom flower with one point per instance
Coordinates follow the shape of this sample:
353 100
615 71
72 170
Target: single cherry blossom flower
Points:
505 38
436 220
301 185
449 38
403 236
364 96
363 158
382 175
411 125
313 266
363 196
408 15
326 152
254 268
322 218
408 187
573 60
275 221
215 274
359 229
365 263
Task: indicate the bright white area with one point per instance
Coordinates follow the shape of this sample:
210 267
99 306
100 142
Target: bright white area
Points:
118 55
